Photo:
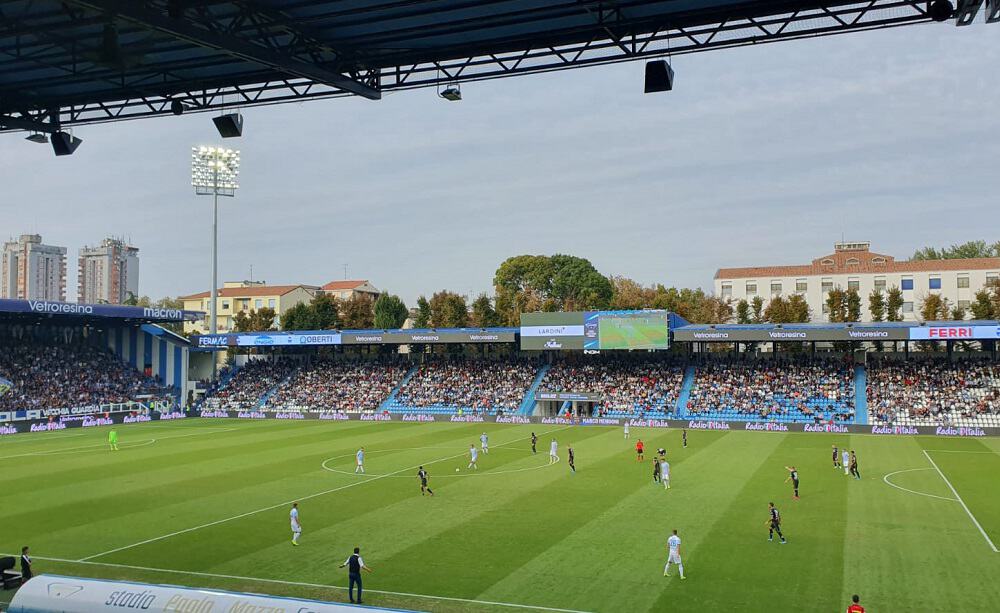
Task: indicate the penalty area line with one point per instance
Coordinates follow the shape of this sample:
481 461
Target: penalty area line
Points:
961 502
195 573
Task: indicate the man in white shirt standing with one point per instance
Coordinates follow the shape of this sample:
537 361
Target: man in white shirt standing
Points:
846 457
360 459
485 441
665 475
553 449
474 457
293 515
674 555
626 428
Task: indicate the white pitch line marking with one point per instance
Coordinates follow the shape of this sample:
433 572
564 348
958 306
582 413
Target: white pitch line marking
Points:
485 473
899 487
195 573
961 502
286 503
958 451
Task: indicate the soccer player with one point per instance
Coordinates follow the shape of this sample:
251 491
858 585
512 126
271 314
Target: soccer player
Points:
553 448
359 459
656 472
854 466
855 605
846 461
793 476
774 521
665 474
836 457
674 555
485 442
422 475
661 452
626 428
113 439
572 459
534 441
638 450
293 515
684 437
474 455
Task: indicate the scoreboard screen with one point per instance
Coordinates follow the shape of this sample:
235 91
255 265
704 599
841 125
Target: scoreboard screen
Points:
595 331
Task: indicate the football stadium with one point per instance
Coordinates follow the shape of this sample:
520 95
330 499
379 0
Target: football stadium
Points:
568 442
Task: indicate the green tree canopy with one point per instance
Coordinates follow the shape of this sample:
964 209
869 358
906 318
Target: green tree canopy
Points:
876 305
742 312
357 312
448 310
390 312
894 304
259 320
528 283
971 249
423 318
483 314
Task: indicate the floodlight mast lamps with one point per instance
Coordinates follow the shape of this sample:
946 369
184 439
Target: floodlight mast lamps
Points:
215 172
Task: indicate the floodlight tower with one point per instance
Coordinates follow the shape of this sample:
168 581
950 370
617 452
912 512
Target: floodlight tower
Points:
214 172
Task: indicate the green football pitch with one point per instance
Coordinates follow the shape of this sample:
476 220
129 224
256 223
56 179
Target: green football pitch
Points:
206 502
632 333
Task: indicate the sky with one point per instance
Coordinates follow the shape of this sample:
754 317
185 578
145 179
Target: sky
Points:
761 155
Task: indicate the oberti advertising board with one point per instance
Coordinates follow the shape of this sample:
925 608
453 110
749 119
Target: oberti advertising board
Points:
58 594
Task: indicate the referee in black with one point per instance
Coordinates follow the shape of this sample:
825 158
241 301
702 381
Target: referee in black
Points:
354 566
534 441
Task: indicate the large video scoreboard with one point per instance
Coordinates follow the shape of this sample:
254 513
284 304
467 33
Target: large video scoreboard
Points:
595 330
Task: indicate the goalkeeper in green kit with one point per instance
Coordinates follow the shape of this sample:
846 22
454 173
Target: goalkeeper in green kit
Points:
113 439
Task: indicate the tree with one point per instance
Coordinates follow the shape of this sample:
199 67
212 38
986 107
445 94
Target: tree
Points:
259 320
958 313
629 295
390 312
876 305
299 317
448 310
743 312
793 309
423 318
852 303
934 308
836 305
528 283
983 306
894 304
177 327
483 314
325 312
357 313
971 249
757 310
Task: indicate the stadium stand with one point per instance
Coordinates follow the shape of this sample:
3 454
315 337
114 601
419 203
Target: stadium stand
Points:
630 387
934 392
249 385
46 376
447 386
779 389
343 386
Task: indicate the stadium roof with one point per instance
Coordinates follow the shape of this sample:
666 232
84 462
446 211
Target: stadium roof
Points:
65 62
46 311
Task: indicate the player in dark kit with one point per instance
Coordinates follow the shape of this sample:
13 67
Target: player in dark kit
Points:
684 437
774 523
836 457
854 466
534 441
572 460
656 472
422 475
793 476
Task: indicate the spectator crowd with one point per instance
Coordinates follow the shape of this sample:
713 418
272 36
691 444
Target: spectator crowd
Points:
69 376
341 386
628 388
777 388
469 384
934 392
248 386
